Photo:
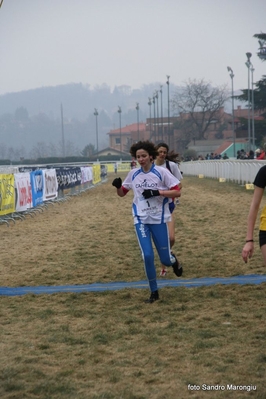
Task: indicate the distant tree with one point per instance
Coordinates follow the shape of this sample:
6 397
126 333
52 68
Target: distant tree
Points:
52 150
11 153
261 36
186 126
123 89
21 152
88 151
262 43
71 149
259 96
3 150
6 118
40 150
199 104
21 115
104 120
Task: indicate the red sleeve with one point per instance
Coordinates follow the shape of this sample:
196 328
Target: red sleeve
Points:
125 190
177 188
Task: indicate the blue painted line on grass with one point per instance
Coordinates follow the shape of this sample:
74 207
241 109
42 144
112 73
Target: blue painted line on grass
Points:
98 287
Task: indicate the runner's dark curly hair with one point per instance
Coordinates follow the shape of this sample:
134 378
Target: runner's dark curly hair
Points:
143 145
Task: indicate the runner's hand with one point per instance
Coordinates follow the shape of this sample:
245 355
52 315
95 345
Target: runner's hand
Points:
247 251
117 182
150 193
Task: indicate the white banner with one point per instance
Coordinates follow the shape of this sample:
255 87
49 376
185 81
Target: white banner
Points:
86 174
23 191
50 185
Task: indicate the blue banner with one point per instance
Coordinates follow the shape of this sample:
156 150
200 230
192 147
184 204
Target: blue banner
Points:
36 179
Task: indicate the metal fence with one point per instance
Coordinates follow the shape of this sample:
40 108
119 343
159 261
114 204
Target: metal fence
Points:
238 171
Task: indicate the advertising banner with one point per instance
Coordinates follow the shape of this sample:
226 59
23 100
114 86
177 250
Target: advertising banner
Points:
123 167
86 174
23 191
36 179
96 174
50 184
68 177
110 167
7 194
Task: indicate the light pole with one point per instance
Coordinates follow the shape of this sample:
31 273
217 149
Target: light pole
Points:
248 64
252 102
96 117
154 116
161 91
120 111
233 115
150 103
168 94
63 133
157 108
137 108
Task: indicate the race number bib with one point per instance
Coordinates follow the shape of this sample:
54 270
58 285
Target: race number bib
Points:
149 206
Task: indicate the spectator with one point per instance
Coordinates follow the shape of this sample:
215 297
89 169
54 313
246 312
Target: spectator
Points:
242 154
258 152
133 164
251 154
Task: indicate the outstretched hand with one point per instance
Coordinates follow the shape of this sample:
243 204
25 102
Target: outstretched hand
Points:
117 182
150 193
247 251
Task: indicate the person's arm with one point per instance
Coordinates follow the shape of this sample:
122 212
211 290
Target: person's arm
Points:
248 248
121 191
174 192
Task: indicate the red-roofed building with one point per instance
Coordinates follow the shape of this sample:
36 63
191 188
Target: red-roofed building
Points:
121 140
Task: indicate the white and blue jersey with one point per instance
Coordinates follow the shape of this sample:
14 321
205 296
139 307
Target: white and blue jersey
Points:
154 210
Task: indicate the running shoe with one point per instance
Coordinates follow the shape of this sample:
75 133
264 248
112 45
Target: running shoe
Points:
177 267
154 297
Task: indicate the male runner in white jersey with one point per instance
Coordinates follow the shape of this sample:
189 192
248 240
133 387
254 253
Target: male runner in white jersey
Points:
153 186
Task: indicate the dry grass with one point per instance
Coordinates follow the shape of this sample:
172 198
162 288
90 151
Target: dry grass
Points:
111 345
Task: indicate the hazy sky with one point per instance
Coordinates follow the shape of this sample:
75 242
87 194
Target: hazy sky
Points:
131 42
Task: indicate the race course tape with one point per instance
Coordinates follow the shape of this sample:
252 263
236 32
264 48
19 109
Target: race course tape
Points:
98 287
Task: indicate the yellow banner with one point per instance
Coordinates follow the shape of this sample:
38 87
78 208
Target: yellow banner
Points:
96 174
7 194
123 167
110 167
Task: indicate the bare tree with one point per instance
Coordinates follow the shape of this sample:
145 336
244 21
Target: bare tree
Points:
3 150
71 149
199 104
39 150
52 150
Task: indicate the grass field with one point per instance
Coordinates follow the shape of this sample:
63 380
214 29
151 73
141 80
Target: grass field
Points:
112 345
